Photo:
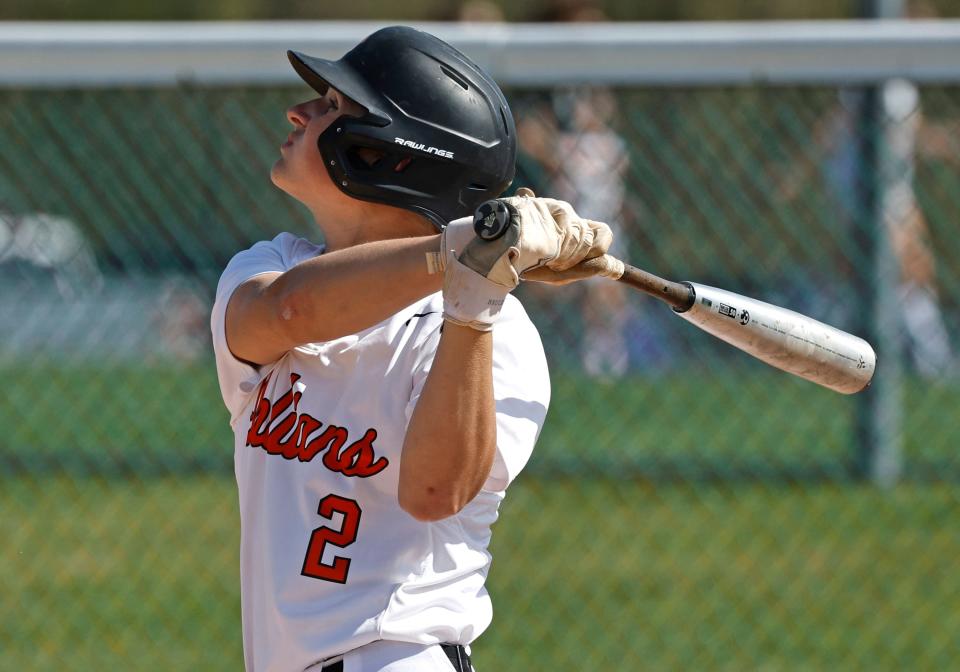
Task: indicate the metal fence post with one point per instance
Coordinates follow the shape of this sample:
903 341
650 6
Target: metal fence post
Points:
879 411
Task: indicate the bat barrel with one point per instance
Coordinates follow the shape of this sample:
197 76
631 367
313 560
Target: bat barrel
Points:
783 338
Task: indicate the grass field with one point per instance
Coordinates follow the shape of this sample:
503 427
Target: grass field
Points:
592 574
651 531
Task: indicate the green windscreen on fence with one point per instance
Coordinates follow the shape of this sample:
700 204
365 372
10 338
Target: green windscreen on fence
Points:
686 507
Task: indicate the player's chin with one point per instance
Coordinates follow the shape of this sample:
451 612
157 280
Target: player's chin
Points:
290 180
278 173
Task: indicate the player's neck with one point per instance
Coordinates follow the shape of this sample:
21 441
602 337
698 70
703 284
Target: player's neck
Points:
367 223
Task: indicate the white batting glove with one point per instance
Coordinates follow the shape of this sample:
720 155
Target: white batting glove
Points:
469 298
472 293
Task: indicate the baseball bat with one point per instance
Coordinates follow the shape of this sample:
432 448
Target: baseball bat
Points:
782 338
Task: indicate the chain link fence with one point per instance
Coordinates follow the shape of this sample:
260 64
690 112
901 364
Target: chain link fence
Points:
686 507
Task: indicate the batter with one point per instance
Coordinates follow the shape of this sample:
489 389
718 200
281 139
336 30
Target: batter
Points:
385 388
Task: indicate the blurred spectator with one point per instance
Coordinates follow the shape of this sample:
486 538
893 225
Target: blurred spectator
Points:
906 134
182 320
589 175
573 11
584 161
480 11
909 235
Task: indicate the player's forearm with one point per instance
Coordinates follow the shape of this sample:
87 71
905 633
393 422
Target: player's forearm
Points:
350 290
451 439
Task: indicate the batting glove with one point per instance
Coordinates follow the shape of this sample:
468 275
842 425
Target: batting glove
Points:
552 236
472 294
542 237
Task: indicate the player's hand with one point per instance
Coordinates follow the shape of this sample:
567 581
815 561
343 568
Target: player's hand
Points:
547 241
603 266
473 292
553 235
540 239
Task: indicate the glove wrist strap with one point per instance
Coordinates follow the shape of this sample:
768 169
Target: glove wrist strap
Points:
469 299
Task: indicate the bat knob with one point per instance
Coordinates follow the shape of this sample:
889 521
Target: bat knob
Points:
492 219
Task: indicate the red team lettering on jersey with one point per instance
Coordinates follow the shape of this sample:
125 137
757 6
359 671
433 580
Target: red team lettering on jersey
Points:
290 435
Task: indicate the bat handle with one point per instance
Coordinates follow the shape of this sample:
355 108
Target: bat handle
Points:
678 295
492 219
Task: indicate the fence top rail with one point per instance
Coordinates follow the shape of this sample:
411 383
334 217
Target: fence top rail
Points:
85 54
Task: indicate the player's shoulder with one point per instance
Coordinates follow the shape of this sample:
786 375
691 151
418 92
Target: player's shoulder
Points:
285 248
278 254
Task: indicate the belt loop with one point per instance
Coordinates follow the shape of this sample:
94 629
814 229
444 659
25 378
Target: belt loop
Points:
458 657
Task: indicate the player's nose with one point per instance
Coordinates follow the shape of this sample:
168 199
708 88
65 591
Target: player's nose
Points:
298 114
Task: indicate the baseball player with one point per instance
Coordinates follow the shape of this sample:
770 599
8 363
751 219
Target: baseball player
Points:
384 387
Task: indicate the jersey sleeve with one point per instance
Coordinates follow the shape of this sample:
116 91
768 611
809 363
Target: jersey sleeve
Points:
239 378
521 388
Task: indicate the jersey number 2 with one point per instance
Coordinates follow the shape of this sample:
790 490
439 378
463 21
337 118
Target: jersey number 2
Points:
347 534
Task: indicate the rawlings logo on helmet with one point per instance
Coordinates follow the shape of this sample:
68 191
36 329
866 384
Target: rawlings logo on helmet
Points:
423 148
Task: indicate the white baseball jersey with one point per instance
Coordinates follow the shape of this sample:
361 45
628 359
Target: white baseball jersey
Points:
328 559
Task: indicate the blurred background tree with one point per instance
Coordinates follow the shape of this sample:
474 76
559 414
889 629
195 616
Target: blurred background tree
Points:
430 10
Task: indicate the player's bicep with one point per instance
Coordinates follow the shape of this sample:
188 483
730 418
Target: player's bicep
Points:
252 322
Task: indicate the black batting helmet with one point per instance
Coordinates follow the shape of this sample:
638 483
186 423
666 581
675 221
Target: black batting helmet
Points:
441 124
